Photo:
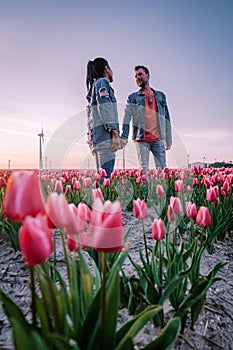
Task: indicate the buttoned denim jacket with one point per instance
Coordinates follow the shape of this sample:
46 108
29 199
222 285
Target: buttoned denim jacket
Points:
135 110
102 114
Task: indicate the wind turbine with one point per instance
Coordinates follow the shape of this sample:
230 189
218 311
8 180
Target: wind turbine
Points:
41 143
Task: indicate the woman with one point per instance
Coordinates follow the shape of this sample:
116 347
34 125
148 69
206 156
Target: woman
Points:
103 124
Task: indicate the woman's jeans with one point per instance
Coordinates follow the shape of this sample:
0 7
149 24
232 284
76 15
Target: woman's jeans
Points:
158 150
106 160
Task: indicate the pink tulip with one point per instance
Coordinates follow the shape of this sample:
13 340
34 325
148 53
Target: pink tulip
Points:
179 185
105 228
212 194
58 210
191 210
140 210
139 180
58 186
195 181
158 229
2 182
160 190
102 173
68 189
176 205
203 217
76 185
87 182
23 196
80 217
76 242
35 239
97 193
106 182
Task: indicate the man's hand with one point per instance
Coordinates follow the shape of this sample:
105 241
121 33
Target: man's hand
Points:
115 140
168 146
124 142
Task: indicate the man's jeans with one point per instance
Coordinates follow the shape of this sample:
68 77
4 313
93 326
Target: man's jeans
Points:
158 150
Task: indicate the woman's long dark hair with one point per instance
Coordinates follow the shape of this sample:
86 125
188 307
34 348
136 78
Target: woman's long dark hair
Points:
95 70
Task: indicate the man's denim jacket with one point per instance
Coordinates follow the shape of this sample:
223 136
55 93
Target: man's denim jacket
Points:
102 114
135 109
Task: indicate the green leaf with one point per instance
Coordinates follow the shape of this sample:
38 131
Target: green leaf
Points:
167 337
130 329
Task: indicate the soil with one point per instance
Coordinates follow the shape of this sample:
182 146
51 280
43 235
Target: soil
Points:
213 330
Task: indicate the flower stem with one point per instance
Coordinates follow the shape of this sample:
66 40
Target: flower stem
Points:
103 290
145 243
65 254
33 294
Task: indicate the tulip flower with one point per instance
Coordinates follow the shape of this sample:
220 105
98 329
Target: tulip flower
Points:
87 182
76 242
212 194
158 229
80 217
58 210
102 173
106 182
105 228
23 196
176 205
179 185
191 210
203 217
97 193
35 239
160 190
58 186
140 210
76 185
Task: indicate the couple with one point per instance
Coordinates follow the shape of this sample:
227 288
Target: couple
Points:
147 108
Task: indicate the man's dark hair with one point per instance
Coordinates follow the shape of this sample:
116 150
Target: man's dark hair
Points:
146 70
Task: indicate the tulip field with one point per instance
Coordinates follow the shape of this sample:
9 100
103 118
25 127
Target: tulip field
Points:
148 267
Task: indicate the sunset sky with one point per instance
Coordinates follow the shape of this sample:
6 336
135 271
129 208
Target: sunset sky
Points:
45 46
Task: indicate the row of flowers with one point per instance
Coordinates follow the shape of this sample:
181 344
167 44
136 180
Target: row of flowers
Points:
188 209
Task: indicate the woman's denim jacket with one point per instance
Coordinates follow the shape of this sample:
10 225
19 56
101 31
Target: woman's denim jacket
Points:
102 114
135 109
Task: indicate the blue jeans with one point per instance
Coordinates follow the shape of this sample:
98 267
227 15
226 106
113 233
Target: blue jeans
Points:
106 160
158 150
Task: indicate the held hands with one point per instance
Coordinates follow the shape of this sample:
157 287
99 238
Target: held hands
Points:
124 142
115 140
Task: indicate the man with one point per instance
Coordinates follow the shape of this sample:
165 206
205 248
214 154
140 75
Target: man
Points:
150 119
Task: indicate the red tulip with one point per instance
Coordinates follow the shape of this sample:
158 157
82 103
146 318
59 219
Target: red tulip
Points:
23 196
35 239
191 210
58 210
203 217
158 229
105 228
140 210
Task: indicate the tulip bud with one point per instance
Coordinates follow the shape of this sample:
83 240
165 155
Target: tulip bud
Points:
158 229
203 217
